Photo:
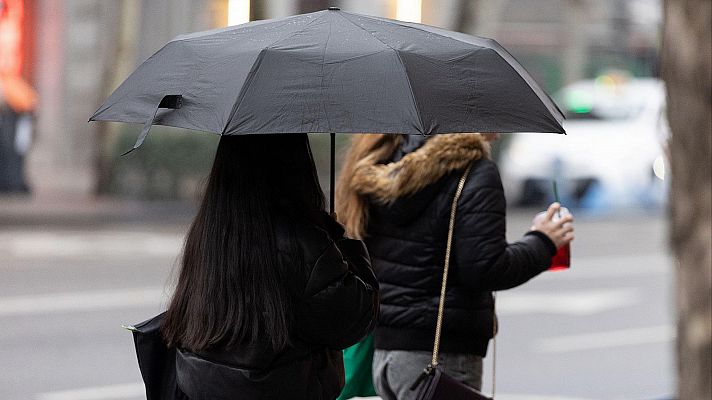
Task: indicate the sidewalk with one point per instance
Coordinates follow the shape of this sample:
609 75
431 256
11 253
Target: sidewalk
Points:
82 211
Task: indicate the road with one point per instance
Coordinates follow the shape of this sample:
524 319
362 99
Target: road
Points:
603 330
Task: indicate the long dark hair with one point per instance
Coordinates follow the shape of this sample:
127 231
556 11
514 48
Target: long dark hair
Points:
231 288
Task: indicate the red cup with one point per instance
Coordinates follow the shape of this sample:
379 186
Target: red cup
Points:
562 259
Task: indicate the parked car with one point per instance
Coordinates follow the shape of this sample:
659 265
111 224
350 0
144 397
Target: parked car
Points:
611 156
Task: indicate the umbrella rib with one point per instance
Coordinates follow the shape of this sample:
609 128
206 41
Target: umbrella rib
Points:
321 85
253 72
407 78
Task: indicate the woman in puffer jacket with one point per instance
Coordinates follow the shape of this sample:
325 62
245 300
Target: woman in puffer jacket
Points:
396 192
270 290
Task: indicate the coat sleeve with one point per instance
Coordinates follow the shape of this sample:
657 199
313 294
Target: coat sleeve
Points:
484 259
340 302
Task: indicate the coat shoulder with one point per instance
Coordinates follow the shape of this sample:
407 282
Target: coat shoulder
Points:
484 173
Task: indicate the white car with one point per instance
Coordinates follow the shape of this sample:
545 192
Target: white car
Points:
611 156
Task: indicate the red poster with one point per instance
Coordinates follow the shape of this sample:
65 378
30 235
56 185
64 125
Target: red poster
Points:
11 20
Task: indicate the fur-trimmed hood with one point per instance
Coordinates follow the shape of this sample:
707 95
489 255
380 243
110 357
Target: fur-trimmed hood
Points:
440 155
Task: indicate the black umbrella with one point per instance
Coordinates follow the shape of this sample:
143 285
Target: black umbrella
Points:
332 72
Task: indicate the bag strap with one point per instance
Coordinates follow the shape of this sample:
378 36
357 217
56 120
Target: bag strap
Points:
448 248
441 306
495 327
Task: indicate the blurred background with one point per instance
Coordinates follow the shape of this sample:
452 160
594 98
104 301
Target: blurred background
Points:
74 53
88 239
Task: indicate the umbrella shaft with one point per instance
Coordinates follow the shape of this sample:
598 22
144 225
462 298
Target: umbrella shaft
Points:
332 176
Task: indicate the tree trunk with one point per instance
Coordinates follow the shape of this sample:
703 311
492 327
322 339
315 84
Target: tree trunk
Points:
687 71
115 50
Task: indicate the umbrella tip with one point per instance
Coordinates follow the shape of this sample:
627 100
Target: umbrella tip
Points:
132 149
334 9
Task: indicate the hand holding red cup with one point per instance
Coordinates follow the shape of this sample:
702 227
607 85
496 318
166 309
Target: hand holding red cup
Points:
557 223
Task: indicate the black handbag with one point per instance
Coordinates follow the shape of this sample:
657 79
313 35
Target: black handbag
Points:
438 385
156 360
433 383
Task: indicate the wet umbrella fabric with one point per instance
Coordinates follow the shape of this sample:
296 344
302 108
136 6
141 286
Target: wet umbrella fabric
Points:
333 71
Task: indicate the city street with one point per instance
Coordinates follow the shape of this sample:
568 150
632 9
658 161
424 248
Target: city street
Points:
603 330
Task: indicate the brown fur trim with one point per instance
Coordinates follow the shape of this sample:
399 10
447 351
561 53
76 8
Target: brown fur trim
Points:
439 156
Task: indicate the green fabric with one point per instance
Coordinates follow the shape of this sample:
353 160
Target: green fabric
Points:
358 360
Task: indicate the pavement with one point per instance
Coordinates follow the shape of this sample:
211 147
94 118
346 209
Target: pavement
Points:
83 210
73 271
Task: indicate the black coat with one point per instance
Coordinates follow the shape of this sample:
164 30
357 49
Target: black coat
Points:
406 236
336 306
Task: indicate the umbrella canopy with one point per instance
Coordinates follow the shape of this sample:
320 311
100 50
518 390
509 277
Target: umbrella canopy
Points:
333 71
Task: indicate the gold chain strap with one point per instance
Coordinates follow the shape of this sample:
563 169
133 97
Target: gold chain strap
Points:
441 306
494 343
451 229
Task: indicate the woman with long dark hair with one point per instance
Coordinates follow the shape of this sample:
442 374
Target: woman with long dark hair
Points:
396 192
269 287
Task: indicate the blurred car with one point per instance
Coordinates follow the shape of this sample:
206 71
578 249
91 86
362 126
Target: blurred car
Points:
611 156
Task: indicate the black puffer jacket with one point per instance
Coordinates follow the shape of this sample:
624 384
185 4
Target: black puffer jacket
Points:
337 305
406 236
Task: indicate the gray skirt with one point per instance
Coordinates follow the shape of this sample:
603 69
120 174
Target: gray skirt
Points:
394 371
